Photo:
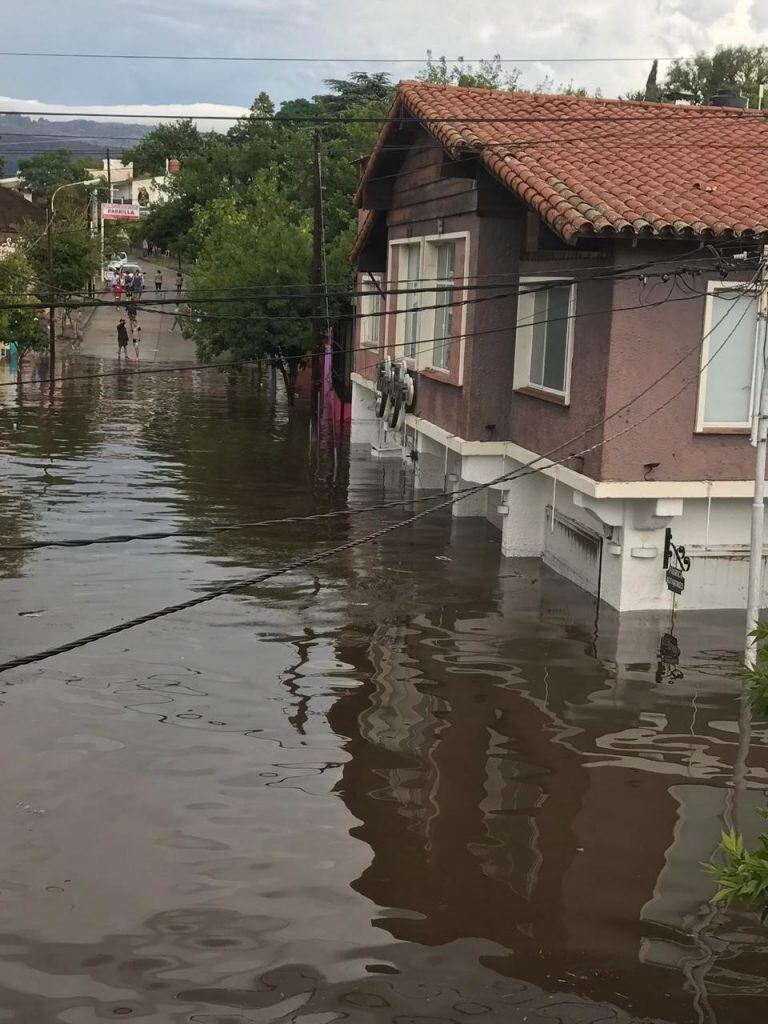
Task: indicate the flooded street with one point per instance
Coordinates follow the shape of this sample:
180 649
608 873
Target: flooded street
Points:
415 783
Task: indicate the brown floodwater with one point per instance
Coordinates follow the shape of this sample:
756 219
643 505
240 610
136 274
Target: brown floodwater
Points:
417 783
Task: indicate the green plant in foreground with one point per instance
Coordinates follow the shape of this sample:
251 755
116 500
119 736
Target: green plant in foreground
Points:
743 875
757 676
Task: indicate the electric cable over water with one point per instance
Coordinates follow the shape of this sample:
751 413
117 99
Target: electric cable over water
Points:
320 556
236 363
229 527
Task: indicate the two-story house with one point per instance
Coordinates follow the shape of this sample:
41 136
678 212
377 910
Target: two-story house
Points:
573 285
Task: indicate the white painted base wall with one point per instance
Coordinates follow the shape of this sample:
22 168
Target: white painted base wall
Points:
600 536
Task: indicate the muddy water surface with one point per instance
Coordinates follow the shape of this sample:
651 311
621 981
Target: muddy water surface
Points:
415 784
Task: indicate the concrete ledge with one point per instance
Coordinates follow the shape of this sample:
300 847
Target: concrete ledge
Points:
599 489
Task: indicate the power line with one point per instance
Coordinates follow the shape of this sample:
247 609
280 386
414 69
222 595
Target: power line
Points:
204 531
148 305
327 60
666 114
362 348
420 344
339 549
194 299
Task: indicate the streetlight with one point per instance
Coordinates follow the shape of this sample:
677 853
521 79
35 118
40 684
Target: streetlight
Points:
91 183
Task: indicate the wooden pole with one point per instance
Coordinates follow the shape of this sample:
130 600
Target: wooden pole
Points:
51 310
316 302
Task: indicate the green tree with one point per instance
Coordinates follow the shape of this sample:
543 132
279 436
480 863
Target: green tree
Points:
46 171
701 76
269 142
179 139
489 74
76 255
22 326
651 93
358 88
251 249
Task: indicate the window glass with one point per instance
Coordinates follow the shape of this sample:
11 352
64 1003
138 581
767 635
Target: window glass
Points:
557 338
731 346
444 296
411 301
370 307
538 337
543 333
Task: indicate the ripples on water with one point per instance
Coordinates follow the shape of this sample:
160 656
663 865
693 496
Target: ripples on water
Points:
419 783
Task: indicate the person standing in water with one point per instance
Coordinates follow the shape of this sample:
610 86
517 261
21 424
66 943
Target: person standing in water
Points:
122 339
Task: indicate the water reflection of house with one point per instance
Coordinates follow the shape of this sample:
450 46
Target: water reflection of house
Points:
511 792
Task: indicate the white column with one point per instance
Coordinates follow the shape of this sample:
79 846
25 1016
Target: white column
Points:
473 506
364 425
522 530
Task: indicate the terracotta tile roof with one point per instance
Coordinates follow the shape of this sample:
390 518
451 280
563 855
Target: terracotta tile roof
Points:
606 167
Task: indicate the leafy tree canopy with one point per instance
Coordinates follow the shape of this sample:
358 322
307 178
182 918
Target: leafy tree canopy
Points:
489 73
76 255
252 247
180 139
46 171
21 326
701 76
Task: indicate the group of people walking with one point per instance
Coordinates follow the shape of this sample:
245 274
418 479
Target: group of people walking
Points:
131 286
131 331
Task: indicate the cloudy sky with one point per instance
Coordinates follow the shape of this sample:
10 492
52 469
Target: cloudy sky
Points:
517 29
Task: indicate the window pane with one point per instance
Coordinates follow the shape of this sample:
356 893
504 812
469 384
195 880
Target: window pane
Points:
446 261
371 304
413 253
557 338
729 375
444 295
441 352
538 336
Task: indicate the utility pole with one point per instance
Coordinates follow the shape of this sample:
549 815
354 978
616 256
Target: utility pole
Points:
760 436
109 175
316 302
51 310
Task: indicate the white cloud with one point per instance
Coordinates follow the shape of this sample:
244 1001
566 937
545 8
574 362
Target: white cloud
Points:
758 15
346 28
206 114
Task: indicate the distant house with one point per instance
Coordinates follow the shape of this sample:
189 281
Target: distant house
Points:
143 190
15 213
569 277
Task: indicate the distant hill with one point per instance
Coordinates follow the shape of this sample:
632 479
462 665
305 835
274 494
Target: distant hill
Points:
22 136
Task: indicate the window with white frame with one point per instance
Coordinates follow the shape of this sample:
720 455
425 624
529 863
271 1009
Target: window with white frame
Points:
371 309
544 337
728 359
444 297
410 276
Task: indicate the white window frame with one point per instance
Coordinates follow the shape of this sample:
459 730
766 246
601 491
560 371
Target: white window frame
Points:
524 342
423 358
722 428
371 303
401 300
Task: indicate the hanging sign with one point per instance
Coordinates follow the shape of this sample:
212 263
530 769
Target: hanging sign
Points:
676 562
120 211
